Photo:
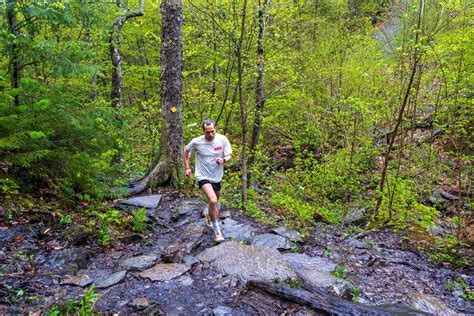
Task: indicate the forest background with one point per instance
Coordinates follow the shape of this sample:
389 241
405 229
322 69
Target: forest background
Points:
332 107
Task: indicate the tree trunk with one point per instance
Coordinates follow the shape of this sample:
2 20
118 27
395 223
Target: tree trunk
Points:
115 57
243 107
14 53
414 67
260 92
168 167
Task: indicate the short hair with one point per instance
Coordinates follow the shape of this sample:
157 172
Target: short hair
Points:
207 122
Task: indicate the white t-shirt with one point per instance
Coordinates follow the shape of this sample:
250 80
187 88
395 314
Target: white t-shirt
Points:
206 167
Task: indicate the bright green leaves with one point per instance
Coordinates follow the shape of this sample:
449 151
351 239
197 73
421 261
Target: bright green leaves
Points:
37 135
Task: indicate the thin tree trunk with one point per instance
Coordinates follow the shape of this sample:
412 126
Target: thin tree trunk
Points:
14 53
243 108
416 59
260 91
114 48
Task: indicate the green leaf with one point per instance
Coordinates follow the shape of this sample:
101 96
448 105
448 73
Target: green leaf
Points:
22 108
37 135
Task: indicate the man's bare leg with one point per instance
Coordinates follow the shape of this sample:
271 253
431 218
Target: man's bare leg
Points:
212 199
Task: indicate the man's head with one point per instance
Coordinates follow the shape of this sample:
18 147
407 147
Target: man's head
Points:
209 128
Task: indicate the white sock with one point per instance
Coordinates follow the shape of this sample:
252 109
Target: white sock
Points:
215 225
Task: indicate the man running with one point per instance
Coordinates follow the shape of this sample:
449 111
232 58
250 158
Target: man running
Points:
212 152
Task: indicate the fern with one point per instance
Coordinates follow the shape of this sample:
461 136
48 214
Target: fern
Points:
26 159
14 141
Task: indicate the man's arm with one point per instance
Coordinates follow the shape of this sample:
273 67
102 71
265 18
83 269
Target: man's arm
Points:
187 170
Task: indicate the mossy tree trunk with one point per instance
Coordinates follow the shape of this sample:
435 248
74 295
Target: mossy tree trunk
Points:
168 167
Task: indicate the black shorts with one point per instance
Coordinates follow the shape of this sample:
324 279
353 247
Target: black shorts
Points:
215 186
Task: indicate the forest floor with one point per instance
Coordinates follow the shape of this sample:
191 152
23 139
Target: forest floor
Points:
176 268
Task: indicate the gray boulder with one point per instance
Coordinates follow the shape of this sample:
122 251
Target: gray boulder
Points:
316 274
248 262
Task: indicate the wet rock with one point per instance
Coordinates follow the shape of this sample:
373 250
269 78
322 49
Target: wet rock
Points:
149 201
291 234
190 260
271 241
109 280
176 252
165 272
64 261
248 262
137 263
236 231
222 310
140 303
430 304
76 235
356 216
316 274
81 280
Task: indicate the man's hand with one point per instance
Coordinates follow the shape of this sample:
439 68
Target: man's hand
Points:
188 172
219 160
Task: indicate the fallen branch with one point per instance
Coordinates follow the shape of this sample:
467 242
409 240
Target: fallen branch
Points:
324 302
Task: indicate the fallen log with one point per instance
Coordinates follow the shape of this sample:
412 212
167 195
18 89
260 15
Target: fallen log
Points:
324 302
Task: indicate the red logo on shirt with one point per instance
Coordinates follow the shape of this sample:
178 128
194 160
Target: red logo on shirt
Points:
218 148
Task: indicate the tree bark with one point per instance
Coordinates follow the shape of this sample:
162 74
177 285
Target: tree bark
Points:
333 305
114 48
260 91
243 107
168 167
14 53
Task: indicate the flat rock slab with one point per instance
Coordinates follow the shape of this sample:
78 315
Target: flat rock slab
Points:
316 273
148 201
109 280
248 262
271 241
137 263
81 280
236 230
165 272
291 234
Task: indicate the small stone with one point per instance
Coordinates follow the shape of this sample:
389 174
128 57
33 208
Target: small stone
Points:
150 201
116 254
190 260
165 272
222 310
138 263
358 244
186 280
81 280
109 280
291 234
271 241
224 214
140 303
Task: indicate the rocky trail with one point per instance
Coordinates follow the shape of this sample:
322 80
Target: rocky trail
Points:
177 268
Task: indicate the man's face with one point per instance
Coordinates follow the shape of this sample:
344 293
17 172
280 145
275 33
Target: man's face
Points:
209 132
